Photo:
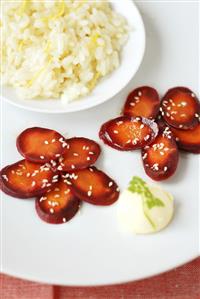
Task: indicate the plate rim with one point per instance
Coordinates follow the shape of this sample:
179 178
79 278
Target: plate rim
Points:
141 277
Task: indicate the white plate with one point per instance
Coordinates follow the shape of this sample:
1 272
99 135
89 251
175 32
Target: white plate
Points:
131 58
90 249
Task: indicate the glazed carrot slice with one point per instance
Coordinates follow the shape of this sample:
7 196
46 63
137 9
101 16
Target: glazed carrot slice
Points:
80 153
93 186
160 159
58 205
127 133
143 101
188 140
180 108
26 179
40 145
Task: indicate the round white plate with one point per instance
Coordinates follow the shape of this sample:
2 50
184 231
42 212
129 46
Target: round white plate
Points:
90 249
109 86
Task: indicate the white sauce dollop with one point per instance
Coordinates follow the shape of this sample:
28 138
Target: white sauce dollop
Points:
132 216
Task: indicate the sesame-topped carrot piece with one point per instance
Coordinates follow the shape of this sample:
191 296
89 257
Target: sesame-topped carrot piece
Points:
180 108
188 140
58 205
143 101
93 186
26 179
40 145
80 153
127 133
160 158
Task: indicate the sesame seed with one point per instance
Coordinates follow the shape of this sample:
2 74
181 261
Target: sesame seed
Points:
88 159
115 132
28 174
161 153
193 95
84 147
110 184
65 176
91 169
184 104
64 219
33 183
45 181
177 139
141 126
139 93
180 126
67 191
183 115
5 177
155 167
132 104
64 144
136 98
144 156
51 210
138 118
42 157
56 196
119 122
57 155
196 115
61 139
60 168
134 141
53 140
49 184
55 176
57 189
46 142
117 189
90 187
12 171
75 154
89 193
67 182
165 168
146 137
43 198
91 153
129 141
72 166
54 181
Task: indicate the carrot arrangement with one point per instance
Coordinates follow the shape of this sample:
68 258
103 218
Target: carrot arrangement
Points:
158 128
59 173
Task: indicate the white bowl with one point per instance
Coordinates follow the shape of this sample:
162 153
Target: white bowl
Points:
108 87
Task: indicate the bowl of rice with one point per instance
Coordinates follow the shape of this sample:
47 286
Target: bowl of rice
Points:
68 55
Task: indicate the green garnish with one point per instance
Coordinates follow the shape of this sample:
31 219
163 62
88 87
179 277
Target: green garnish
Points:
137 185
